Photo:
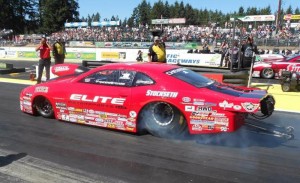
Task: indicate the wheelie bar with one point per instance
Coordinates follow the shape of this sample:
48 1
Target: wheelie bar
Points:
277 131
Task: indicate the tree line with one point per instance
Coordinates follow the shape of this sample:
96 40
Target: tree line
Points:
47 16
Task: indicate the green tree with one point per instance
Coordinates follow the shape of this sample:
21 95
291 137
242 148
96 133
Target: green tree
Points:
54 13
241 11
289 10
297 11
266 11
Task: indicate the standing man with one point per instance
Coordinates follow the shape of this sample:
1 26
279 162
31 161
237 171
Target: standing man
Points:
248 49
45 59
157 51
224 49
59 51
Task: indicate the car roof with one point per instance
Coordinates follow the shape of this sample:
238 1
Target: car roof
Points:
145 67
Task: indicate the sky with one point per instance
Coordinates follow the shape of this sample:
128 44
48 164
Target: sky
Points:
124 8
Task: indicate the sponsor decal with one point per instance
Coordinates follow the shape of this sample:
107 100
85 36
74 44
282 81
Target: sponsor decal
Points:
25 102
73 115
99 120
210 104
65 117
202 122
161 94
189 108
217 119
223 129
197 127
80 117
175 71
61 68
130 124
60 104
293 68
26 98
186 99
71 108
250 107
42 89
97 99
89 118
201 108
129 129
110 83
237 107
225 104
198 102
132 114
209 118
28 94
221 123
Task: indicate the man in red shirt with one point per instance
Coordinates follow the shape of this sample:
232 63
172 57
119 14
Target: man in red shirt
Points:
45 59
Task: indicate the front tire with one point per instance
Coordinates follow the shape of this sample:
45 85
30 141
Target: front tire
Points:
286 87
43 107
162 120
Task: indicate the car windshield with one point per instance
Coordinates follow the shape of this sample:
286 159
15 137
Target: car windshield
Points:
288 58
190 77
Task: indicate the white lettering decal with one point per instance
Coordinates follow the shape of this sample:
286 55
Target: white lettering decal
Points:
161 94
96 99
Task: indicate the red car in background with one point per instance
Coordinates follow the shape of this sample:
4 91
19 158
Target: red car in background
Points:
273 69
162 99
270 57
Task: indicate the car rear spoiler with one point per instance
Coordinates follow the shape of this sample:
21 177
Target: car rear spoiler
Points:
68 69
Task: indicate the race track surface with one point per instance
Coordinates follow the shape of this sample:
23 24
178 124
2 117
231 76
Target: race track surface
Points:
35 149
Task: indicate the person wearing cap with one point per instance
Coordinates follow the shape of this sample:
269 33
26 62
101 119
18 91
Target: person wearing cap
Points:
45 59
59 51
157 51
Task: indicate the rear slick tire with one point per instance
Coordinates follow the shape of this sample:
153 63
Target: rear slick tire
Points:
162 120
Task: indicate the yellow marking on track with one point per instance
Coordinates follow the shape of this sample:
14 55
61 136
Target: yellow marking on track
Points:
14 74
17 81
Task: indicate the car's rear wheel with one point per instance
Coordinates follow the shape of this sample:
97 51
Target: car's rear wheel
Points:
162 120
43 107
267 73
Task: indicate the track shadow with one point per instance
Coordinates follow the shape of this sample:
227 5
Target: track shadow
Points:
6 160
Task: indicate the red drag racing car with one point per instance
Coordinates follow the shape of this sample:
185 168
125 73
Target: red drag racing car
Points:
162 99
273 69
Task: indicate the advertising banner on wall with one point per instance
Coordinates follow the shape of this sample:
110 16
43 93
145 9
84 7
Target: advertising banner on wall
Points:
291 17
194 59
257 18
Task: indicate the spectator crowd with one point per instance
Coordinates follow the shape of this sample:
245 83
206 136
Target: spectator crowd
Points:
179 33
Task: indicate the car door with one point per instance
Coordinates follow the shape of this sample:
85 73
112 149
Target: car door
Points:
102 98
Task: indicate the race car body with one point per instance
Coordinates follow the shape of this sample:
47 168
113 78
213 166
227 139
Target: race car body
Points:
273 69
270 57
162 99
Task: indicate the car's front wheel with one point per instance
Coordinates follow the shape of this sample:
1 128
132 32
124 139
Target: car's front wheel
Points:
43 107
286 87
162 119
267 73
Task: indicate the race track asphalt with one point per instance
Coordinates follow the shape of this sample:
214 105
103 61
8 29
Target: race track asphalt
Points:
35 149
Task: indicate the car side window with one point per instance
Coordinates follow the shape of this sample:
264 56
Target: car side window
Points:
111 77
142 79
